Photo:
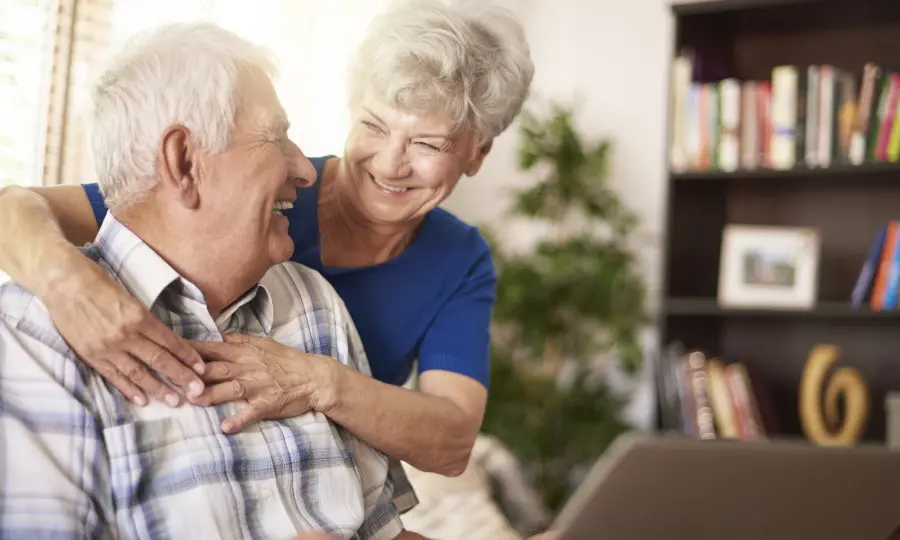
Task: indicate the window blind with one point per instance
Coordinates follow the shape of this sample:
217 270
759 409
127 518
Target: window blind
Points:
23 80
51 50
79 33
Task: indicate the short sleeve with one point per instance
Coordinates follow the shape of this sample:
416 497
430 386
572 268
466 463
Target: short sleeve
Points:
458 338
98 203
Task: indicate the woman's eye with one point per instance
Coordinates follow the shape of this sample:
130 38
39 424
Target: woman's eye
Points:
372 127
429 146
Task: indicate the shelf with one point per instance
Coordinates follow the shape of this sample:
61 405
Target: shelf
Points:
708 307
711 7
880 171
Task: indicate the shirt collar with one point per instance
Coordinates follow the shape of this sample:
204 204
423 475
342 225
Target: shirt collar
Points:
146 275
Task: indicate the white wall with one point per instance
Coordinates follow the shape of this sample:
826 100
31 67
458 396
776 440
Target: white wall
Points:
610 57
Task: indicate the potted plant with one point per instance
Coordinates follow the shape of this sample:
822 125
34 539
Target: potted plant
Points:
575 297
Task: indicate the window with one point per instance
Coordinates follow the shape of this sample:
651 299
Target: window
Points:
50 50
23 79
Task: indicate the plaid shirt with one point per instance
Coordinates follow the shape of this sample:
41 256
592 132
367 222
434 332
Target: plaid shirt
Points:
77 460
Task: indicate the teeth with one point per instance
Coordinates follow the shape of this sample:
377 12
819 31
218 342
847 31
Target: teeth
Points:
393 189
281 206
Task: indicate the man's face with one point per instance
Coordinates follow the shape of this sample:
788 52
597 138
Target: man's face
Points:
248 185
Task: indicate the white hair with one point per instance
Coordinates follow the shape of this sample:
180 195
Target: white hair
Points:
185 74
469 61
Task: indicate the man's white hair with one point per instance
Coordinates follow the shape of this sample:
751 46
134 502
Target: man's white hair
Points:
188 74
467 60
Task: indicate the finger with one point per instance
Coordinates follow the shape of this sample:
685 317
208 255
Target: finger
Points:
121 383
217 372
223 392
137 373
241 419
160 334
216 350
160 361
236 338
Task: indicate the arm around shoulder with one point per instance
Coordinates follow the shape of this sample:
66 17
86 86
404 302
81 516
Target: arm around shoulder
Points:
52 218
104 325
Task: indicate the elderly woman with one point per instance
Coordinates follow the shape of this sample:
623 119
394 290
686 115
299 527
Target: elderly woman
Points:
431 86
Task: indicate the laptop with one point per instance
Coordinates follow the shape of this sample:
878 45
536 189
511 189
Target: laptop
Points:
675 488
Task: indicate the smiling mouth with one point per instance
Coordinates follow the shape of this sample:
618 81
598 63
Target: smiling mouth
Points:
389 188
281 206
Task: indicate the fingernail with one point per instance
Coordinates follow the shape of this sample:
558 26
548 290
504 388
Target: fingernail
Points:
199 368
172 400
140 401
227 425
195 389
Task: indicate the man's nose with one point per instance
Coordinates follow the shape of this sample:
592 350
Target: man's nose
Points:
300 170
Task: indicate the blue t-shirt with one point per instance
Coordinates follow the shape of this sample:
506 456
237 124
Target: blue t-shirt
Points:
432 302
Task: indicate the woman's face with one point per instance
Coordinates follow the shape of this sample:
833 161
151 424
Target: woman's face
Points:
403 165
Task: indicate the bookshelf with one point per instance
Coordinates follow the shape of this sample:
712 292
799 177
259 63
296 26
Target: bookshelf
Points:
746 39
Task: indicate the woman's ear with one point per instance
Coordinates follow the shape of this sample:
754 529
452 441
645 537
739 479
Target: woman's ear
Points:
178 166
478 160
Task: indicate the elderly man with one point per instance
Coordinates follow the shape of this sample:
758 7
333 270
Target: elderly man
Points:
192 152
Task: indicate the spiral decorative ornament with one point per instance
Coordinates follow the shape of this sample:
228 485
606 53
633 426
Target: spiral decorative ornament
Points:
825 428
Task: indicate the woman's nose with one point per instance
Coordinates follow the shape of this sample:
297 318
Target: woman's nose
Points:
391 161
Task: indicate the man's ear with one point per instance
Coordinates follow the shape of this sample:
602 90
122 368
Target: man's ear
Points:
478 160
179 166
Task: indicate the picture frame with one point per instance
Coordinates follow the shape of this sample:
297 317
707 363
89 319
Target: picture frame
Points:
769 267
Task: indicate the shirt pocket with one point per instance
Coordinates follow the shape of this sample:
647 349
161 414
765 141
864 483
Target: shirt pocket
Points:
157 489
321 473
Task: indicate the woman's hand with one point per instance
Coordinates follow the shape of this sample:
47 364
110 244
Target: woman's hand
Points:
315 535
275 380
116 335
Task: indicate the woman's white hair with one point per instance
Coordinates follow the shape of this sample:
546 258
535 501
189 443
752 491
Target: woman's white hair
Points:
467 60
188 74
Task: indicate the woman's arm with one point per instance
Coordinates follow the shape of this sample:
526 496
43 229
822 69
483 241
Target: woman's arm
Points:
52 220
104 325
433 429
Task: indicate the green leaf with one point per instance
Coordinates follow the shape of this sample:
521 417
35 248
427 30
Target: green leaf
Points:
582 291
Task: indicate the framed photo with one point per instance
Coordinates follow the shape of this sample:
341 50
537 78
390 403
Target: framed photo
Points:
769 267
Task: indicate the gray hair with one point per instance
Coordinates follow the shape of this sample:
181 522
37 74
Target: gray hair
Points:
469 61
186 74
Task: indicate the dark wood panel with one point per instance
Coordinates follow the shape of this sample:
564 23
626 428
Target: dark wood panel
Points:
755 54
695 332
776 350
846 216
709 307
697 215
708 8
866 173
746 39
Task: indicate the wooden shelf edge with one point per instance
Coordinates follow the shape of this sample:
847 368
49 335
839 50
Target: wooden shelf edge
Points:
712 7
798 173
709 307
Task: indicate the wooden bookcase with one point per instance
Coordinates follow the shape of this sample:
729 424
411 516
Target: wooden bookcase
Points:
746 39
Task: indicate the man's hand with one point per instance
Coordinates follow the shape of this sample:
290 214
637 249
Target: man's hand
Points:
113 333
275 380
